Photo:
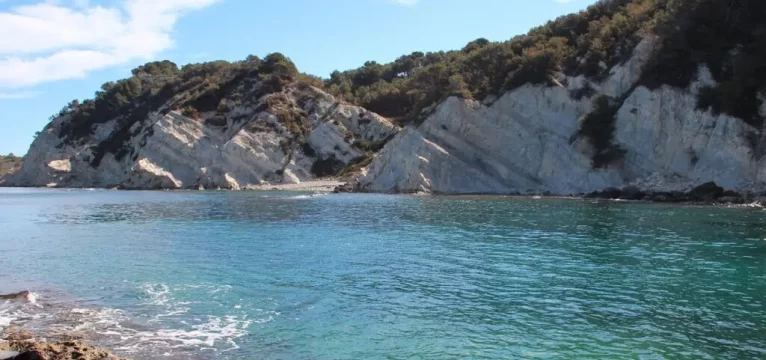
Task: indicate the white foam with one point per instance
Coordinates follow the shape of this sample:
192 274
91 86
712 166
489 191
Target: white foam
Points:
213 332
5 321
303 197
12 310
164 329
159 294
32 299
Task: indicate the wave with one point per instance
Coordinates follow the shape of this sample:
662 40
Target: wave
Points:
296 197
165 322
16 306
303 197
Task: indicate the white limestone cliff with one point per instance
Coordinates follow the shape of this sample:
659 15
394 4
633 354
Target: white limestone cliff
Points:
527 141
524 141
172 151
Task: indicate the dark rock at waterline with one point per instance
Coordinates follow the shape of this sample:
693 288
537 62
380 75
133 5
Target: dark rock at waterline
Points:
345 188
731 200
706 192
608 193
632 193
661 197
14 296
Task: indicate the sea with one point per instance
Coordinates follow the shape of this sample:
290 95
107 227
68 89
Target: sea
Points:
279 275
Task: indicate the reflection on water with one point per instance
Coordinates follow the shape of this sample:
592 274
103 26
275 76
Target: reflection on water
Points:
270 275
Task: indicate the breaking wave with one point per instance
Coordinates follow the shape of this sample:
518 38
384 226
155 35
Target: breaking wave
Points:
161 325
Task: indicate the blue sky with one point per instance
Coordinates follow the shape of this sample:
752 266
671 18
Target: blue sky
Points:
53 51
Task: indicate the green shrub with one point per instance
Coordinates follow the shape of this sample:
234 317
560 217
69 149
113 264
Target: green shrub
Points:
581 43
191 113
729 37
598 128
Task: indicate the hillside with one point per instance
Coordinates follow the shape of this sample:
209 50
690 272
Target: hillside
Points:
589 43
9 165
560 109
212 125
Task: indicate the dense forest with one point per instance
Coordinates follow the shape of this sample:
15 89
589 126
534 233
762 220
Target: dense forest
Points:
727 35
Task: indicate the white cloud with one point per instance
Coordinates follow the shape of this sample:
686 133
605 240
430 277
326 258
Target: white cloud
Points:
54 42
406 2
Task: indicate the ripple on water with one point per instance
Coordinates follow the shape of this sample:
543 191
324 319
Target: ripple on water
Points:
267 275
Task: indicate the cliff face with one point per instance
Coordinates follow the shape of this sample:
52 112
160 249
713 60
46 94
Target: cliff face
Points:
587 102
530 140
250 146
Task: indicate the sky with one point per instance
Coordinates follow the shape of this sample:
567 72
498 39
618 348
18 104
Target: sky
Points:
54 51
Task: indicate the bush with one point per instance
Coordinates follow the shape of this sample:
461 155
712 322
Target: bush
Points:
598 128
581 43
205 88
729 37
191 113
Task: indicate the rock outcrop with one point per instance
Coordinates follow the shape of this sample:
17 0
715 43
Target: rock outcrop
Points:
249 147
530 140
252 125
9 165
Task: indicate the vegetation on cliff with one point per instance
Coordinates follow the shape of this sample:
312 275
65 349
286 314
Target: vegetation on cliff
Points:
729 36
192 89
589 43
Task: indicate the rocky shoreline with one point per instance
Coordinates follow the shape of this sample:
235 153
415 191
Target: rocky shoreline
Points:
23 345
708 193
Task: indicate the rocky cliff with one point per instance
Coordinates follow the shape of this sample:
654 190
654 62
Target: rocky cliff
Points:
248 146
530 140
655 95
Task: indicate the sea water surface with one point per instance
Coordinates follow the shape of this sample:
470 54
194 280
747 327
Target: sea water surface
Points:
247 275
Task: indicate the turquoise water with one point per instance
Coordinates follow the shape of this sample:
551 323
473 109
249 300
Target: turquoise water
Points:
178 275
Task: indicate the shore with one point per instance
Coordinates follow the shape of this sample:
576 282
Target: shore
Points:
709 194
327 185
23 345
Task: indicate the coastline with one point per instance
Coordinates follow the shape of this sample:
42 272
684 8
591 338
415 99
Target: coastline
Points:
17 341
320 185
23 345
708 194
